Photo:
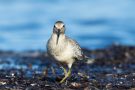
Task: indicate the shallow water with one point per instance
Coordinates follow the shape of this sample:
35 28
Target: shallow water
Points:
27 24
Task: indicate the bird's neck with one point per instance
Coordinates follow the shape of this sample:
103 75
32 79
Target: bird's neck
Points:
61 38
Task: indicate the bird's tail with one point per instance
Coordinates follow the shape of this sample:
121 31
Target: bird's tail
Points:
89 60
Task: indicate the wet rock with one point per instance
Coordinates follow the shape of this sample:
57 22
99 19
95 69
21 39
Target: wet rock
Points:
114 68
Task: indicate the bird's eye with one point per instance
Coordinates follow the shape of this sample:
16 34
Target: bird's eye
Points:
54 26
63 25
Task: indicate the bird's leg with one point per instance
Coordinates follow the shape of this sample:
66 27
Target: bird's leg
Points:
66 75
65 71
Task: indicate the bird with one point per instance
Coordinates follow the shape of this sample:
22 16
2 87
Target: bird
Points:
63 49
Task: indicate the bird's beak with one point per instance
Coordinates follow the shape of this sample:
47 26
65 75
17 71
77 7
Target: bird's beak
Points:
58 34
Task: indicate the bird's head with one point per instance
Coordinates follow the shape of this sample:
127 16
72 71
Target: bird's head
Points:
59 28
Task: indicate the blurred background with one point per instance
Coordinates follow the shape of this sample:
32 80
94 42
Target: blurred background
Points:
27 24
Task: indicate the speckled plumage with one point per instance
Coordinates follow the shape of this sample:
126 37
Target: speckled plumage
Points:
67 50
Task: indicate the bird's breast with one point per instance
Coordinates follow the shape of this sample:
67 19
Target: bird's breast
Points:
62 53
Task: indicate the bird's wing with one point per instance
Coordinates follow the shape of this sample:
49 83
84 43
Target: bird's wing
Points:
78 54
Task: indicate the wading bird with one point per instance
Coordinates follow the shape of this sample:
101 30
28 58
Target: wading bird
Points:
63 49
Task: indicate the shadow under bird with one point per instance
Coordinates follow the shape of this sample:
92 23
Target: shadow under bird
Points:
63 49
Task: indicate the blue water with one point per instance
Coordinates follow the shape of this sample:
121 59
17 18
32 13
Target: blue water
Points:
27 24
